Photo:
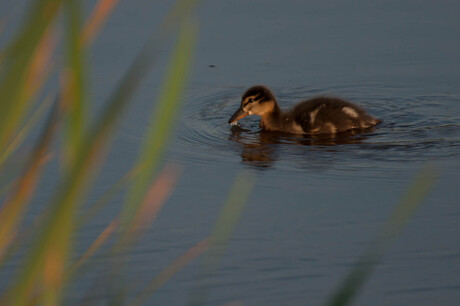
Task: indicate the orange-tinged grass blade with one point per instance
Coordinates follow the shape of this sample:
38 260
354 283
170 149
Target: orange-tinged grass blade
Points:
176 266
163 119
99 15
107 196
74 185
49 253
26 234
154 198
91 212
221 233
151 204
36 74
74 104
157 136
15 204
88 214
40 63
155 143
100 240
411 201
17 63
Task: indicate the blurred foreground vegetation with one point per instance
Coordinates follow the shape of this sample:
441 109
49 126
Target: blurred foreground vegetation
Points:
45 247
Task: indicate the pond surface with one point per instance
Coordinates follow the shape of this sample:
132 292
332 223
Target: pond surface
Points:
318 202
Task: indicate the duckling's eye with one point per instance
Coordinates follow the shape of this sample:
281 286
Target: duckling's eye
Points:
250 100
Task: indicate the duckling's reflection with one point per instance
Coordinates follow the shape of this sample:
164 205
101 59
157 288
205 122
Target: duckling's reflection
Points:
260 149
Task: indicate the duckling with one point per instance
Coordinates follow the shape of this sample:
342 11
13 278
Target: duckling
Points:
320 115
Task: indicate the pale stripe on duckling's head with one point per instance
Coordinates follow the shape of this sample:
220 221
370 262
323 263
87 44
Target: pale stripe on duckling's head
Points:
259 109
258 93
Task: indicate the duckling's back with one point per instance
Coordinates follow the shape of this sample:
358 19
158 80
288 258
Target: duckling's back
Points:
324 115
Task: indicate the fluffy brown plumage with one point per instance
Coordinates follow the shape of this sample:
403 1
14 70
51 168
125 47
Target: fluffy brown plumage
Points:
320 115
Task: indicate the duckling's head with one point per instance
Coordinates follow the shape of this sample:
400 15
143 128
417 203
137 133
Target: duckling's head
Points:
257 100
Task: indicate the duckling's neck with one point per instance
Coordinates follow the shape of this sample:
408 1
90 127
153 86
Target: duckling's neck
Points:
273 120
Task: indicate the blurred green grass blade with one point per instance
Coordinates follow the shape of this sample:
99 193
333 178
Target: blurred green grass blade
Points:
417 192
73 102
104 7
30 123
107 197
94 23
365 265
15 204
74 90
221 233
163 119
27 234
11 170
16 66
158 133
157 194
74 185
22 239
37 73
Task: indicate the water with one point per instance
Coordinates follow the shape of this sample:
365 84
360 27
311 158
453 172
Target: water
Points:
407 133
318 202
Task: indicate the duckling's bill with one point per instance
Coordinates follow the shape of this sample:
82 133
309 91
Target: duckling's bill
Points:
240 113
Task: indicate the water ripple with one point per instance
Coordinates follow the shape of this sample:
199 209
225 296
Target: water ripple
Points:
415 129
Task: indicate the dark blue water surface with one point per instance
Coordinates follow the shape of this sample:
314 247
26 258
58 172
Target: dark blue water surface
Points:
317 202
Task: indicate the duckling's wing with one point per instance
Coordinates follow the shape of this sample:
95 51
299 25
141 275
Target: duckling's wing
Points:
306 113
331 115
